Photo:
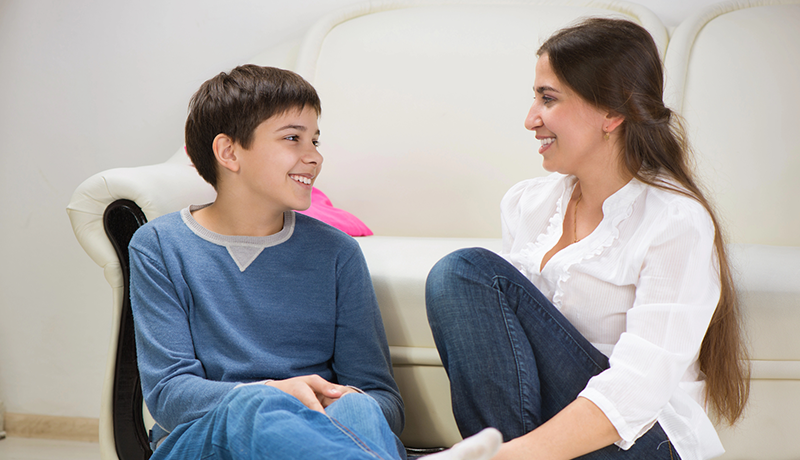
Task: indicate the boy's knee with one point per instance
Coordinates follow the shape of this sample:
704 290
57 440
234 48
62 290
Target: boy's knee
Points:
257 398
356 402
356 407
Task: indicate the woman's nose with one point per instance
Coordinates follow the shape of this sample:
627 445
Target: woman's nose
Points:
533 120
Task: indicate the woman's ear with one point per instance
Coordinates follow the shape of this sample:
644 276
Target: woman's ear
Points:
225 152
612 121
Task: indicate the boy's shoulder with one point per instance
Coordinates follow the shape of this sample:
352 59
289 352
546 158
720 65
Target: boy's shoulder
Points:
168 223
311 229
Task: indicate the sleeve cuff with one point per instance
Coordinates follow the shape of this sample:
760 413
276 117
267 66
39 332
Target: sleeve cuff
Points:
359 390
628 433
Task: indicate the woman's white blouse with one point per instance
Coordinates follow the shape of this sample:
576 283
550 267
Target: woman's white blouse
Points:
642 288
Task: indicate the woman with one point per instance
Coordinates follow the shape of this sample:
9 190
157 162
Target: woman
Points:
610 323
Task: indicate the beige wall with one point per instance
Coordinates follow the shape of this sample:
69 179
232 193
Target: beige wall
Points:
88 85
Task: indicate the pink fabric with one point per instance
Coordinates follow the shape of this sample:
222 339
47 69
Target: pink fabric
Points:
322 209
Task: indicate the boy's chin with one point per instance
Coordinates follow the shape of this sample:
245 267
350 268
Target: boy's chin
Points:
302 207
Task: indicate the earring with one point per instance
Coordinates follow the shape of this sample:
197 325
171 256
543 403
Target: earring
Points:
606 136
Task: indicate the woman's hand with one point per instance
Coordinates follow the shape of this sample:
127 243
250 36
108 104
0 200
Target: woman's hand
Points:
313 391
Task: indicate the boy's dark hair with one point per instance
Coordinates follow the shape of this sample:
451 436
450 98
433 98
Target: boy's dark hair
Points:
235 104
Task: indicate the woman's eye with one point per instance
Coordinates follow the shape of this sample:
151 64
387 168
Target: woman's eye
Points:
293 137
545 99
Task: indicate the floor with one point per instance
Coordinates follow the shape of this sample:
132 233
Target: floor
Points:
47 449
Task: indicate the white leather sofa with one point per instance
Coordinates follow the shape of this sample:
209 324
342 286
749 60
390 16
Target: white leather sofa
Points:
423 105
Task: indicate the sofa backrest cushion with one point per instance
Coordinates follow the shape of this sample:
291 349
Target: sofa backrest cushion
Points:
423 109
733 73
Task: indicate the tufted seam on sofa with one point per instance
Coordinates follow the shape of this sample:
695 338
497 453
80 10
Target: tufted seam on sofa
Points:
676 61
313 40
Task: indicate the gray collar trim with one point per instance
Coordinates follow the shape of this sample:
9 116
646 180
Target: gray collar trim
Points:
243 249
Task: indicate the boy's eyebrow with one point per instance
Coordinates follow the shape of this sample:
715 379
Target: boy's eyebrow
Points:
297 127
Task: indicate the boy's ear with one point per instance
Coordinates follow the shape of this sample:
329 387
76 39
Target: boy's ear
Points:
225 152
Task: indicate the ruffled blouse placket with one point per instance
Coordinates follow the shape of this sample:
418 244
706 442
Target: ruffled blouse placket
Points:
556 274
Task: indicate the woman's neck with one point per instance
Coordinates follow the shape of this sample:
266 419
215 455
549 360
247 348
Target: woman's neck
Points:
595 189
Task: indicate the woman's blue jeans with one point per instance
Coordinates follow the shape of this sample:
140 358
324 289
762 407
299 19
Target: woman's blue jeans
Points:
262 422
513 359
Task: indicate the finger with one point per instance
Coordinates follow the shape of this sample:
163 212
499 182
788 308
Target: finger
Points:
301 390
342 390
310 400
324 388
325 401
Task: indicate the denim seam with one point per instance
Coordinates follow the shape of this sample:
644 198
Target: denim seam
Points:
521 372
356 440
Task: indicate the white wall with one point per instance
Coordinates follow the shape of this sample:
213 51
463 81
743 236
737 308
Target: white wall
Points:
87 85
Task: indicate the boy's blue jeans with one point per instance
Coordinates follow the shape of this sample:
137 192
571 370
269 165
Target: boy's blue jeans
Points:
513 359
262 422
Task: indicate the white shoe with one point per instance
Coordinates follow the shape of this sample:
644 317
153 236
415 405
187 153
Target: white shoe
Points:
481 446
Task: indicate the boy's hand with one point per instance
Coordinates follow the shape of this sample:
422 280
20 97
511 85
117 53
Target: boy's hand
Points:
313 391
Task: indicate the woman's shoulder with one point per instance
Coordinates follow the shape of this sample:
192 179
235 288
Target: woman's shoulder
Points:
674 207
674 197
551 180
538 187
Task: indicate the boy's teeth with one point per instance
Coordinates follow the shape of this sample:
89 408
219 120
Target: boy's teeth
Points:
302 179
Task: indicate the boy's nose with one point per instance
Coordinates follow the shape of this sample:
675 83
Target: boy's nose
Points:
314 157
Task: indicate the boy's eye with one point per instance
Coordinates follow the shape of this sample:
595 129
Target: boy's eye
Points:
296 138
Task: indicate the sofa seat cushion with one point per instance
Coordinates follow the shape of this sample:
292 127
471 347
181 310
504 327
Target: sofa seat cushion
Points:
399 267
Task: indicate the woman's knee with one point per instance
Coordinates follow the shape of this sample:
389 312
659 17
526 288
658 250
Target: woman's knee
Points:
459 282
455 266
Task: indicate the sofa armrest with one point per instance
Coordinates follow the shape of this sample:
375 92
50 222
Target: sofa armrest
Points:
105 211
157 189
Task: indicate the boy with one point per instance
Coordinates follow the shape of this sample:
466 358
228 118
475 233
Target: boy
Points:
258 332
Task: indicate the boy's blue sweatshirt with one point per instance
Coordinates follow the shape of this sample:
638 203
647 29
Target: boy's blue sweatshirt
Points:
213 311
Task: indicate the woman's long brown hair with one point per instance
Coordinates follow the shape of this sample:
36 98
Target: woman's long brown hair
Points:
614 65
